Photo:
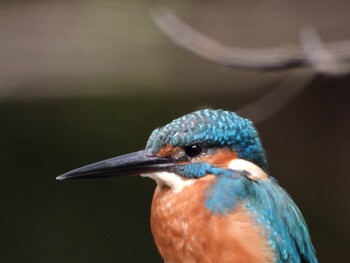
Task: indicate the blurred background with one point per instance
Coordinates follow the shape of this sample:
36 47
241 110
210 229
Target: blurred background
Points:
82 81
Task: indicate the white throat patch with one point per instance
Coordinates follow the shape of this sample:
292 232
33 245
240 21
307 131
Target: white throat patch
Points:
174 181
256 173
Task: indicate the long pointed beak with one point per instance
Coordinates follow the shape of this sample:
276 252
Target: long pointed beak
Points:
134 163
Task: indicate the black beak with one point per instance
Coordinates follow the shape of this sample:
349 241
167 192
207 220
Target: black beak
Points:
129 164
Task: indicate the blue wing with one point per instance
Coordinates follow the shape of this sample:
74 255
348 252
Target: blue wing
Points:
289 235
274 210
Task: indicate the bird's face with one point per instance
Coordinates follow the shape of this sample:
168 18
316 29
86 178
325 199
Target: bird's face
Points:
197 144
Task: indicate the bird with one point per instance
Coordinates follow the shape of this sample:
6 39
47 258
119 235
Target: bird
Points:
215 200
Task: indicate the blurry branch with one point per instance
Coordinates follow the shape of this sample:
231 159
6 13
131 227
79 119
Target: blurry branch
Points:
320 58
326 59
330 59
269 104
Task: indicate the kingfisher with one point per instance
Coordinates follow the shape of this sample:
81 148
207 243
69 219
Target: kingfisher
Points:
215 201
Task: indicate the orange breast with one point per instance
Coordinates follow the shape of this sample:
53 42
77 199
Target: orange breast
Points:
185 231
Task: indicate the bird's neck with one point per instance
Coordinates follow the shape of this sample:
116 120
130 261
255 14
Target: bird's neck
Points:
182 225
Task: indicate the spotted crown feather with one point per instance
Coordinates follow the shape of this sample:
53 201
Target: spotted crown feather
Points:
212 128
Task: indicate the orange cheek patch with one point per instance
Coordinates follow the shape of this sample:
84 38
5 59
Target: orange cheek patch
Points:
221 158
168 151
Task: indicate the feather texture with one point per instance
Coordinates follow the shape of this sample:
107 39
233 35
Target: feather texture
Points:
274 211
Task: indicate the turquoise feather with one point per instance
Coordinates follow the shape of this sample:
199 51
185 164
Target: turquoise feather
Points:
273 209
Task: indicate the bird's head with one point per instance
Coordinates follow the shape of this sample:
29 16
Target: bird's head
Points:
190 147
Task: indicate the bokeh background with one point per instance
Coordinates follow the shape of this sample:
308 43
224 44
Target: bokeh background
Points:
82 81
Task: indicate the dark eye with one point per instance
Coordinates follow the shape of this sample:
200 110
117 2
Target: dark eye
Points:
193 150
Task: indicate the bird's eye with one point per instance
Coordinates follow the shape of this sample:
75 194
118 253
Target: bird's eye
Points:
193 150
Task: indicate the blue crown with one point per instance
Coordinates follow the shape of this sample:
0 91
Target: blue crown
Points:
212 128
